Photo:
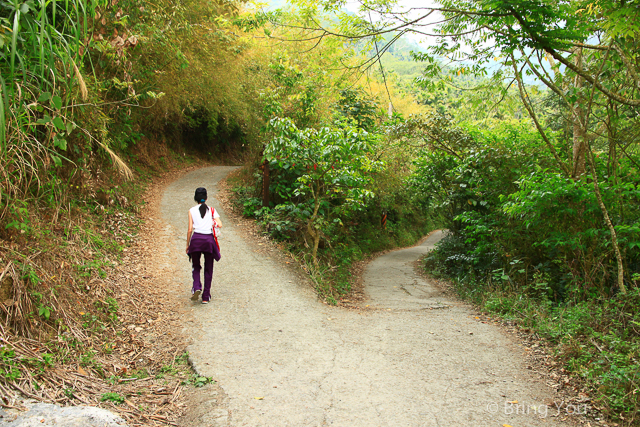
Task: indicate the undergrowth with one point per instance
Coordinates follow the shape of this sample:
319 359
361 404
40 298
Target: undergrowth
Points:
345 241
68 301
597 340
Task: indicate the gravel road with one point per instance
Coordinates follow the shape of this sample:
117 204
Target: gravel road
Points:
282 358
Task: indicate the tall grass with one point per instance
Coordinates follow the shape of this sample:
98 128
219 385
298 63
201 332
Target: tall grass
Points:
39 82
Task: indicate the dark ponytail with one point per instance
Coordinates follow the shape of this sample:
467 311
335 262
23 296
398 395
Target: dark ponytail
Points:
201 197
203 209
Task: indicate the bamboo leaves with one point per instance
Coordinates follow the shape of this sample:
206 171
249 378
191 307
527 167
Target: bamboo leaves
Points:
43 42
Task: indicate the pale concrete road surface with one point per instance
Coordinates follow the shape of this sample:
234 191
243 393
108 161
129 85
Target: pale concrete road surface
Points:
282 358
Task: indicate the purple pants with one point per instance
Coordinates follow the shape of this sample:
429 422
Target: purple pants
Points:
206 245
208 273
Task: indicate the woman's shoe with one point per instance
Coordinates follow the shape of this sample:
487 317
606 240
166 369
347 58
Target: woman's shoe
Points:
205 302
195 295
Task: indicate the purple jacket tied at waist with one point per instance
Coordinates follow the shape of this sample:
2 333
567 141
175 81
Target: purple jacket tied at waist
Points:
204 243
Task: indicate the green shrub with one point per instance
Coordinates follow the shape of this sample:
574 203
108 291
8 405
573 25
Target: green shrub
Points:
112 397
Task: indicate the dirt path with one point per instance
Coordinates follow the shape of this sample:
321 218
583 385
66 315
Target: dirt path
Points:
281 358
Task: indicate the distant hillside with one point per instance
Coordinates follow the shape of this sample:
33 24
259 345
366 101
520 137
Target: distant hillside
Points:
397 60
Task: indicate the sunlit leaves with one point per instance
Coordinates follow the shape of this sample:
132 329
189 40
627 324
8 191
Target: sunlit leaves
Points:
334 166
333 161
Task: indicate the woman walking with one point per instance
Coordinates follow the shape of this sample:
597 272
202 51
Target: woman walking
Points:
201 240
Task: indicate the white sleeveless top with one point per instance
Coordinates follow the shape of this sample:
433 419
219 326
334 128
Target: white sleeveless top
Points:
203 225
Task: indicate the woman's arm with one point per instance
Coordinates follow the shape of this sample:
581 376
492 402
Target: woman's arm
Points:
189 231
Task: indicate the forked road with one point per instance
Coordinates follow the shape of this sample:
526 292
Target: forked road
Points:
282 358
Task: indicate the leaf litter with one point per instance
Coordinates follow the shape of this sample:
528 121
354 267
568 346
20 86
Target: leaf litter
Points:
115 335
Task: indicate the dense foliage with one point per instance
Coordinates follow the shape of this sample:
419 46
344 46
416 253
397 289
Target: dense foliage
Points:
329 188
333 168
527 242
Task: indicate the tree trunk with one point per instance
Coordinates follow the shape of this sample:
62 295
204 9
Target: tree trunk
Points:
316 243
579 126
313 231
265 184
579 144
607 220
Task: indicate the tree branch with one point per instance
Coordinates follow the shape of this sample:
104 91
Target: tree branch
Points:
532 114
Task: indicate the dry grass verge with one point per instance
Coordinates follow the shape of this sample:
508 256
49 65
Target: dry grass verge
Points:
87 317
